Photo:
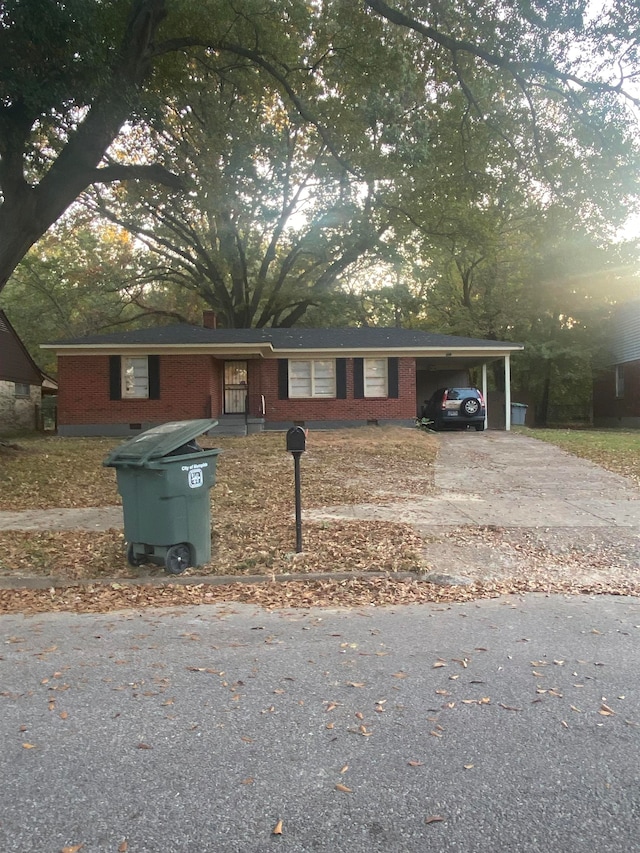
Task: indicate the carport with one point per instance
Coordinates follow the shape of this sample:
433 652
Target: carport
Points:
450 367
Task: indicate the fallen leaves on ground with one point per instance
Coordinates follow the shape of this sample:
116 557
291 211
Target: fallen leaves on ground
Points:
254 531
253 472
265 549
354 592
588 555
253 526
50 471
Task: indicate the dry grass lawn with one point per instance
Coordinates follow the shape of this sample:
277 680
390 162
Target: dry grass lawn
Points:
252 504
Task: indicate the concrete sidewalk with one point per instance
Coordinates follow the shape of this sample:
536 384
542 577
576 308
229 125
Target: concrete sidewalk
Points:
88 518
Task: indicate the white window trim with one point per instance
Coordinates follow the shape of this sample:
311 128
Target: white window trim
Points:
313 394
367 391
125 362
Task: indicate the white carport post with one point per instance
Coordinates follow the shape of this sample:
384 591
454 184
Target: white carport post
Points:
507 392
484 393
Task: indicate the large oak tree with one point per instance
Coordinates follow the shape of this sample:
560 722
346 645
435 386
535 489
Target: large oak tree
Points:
75 74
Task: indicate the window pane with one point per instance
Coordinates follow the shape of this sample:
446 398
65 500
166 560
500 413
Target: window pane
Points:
324 388
323 369
324 378
22 389
312 378
135 377
299 378
300 369
375 377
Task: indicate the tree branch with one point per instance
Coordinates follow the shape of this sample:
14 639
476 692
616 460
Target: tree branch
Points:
453 45
258 59
154 172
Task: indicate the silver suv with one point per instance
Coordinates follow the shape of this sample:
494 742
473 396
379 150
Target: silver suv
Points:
455 408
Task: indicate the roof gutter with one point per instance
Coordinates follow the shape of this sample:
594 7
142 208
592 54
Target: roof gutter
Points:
266 350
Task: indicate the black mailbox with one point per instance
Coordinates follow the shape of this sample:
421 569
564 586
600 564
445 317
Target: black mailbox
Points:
296 440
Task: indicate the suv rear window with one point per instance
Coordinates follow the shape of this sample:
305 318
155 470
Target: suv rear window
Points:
461 393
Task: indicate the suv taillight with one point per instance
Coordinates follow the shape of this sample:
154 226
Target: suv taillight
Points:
481 398
445 397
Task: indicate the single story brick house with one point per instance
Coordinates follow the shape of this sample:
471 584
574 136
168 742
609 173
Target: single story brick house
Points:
616 390
21 383
255 379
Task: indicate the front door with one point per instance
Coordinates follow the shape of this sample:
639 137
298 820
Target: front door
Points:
235 387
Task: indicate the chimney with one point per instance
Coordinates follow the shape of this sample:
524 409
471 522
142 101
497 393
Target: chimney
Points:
209 319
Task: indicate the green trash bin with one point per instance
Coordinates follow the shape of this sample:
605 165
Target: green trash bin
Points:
164 479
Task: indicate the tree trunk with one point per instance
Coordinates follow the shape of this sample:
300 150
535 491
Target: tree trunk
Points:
27 212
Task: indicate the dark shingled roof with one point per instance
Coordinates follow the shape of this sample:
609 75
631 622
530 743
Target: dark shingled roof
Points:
285 339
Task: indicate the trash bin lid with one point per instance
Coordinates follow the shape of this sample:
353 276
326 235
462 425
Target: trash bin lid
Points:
157 442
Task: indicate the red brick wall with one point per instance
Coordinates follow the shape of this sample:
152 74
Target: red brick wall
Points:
190 386
605 403
350 409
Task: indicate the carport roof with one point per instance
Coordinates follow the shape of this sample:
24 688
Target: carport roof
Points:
277 340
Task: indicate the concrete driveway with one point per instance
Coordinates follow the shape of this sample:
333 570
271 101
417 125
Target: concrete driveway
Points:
509 505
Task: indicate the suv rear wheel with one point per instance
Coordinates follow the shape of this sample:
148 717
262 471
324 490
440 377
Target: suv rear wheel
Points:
470 407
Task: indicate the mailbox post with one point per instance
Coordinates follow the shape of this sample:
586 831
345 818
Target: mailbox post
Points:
296 445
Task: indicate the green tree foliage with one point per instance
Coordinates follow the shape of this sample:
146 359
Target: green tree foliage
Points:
73 75
81 279
271 220
535 277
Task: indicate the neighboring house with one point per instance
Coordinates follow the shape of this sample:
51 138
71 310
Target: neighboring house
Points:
21 382
256 379
616 390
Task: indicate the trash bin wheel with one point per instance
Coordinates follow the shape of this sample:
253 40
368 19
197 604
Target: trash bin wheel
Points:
132 558
177 558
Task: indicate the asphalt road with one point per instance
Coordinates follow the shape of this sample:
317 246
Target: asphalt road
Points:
515 722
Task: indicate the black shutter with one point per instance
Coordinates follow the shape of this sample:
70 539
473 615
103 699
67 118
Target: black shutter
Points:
115 378
154 377
358 378
341 378
392 377
283 379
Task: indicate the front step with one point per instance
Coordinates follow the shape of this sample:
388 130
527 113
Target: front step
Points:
229 425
